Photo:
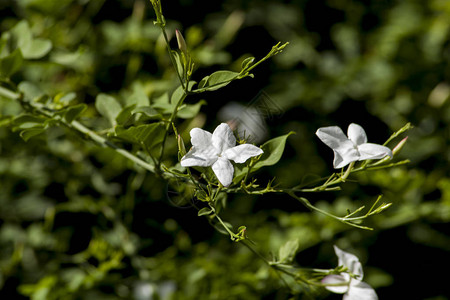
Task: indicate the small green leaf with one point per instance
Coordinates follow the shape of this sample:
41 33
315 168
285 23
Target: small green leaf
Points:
138 96
21 34
203 82
125 114
64 99
5 121
273 150
247 62
36 49
287 252
216 80
190 111
149 134
108 107
163 106
31 48
178 61
29 133
11 64
73 112
179 92
219 227
202 196
30 90
205 211
147 111
27 121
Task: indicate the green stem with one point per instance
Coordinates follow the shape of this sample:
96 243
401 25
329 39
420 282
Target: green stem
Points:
9 94
232 235
77 126
347 173
171 58
246 244
166 133
275 50
104 142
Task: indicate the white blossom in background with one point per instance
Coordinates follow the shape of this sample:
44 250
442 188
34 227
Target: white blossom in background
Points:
216 150
350 148
352 287
247 121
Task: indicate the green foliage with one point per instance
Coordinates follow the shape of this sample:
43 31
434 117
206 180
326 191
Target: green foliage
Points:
108 107
216 80
273 150
30 47
11 63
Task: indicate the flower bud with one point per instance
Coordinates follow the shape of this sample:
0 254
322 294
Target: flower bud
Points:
399 146
181 42
181 147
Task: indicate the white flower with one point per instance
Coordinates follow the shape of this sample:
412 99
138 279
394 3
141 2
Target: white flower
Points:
216 150
352 287
352 148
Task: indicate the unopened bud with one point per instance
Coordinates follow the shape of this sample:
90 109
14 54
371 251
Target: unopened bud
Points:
181 42
181 147
399 146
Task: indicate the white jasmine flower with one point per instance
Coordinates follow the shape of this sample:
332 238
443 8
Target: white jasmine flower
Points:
352 287
216 150
352 148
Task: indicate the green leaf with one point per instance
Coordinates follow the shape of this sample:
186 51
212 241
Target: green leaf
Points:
178 93
147 111
73 112
30 90
5 121
185 111
11 64
31 48
178 61
190 111
108 107
36 49
27 121
125 114
273 150
247 62
21 34
29 133
205 211
149 134
138 96
162 104
216 80
219 227
64 99
287 252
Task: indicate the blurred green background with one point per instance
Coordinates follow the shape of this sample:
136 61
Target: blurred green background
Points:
80 222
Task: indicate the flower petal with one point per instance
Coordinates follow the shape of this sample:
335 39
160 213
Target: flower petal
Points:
200 158
345 155
332 136
224 171
351 262
200 138
360 291
223 138
373 151
337 284
241 153
356 134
